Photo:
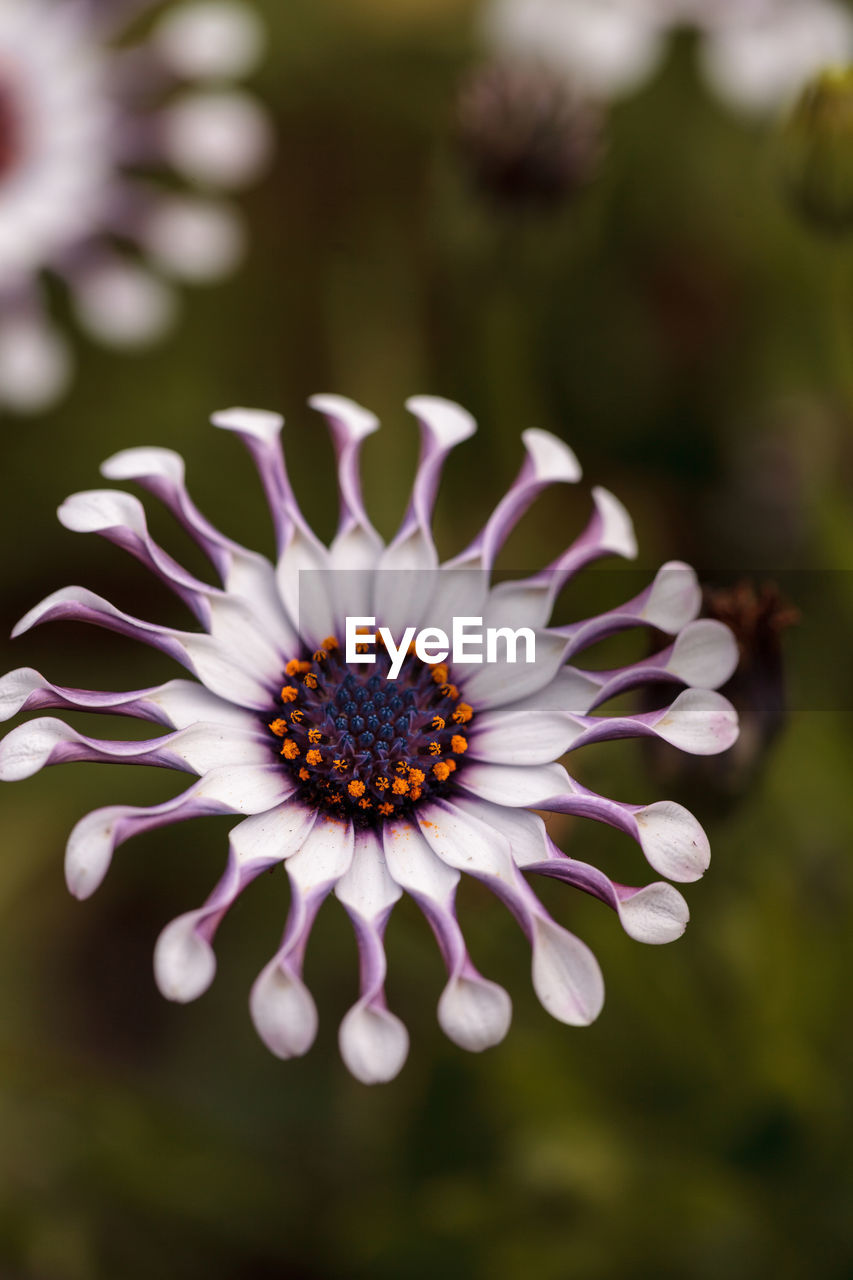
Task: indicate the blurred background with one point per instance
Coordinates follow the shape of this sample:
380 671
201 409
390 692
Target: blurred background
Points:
641 281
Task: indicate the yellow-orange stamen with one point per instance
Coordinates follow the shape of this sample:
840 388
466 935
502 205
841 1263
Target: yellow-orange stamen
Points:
450 691
438 723
314 735
435 748
310 681
340 764
463 713
386 809
304 774
330 643
290 750
439 673
458 744
296 667
441 771
320 655
279 727
297 715
356 787
289 693
381 783
400 787
313 756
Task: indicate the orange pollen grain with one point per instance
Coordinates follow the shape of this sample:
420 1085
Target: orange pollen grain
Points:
450 691
381 783
400 787
451 764
386 809
314 735
364 803
402 766
290 750
297 715
416 777
438 723
441 771
313 756
340 764
289 693
458 744
310 681
435 748
279 727
320 655
330 643
304 774
356 787
439 673
417 792
463 713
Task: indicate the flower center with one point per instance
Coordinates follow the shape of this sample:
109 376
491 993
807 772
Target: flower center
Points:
363 745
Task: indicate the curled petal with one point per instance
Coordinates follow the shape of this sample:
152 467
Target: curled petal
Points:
656 913
374 1043
473 1012
94 839
699 721
221 138
672 599
282 1008
184 960
214 665
566 975
549 461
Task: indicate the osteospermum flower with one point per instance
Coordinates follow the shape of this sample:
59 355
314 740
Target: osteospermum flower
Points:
84 126
755 54
367 786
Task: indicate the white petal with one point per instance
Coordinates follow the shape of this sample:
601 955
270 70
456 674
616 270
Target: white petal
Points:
617 528
675 598
210 39
566 976
123 305
274 835
284 1012
16 687
518 786
474 1013
656 914
673 841
699 721
448 422
374 1044
705 654
520 737
221 139
262 423
551 457
184 963
27 749
35 365
525 831
367 887
325 855
194 240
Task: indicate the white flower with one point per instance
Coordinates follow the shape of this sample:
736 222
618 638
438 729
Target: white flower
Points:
368 786
83 126
756 54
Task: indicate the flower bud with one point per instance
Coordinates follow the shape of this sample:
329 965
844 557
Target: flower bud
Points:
526 138
817 152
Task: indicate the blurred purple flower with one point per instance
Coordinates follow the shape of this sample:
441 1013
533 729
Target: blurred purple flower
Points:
755 54
84 124
373 787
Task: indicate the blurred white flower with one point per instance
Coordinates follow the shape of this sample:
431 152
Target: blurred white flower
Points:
755 54
87 122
